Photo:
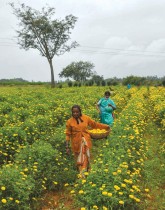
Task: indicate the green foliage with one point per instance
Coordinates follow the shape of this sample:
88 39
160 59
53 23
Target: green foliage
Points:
16 188
39 31
79 71
32 137
70 84
103 83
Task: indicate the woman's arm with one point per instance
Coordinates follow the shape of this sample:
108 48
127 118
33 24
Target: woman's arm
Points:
68 136
94 124
112 104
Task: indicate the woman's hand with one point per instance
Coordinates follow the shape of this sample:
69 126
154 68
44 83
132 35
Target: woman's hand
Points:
67 148
67 151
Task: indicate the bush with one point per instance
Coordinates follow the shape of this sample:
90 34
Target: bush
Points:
70 84
16 189
46 165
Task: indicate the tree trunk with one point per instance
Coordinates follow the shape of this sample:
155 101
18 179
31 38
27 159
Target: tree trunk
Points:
52 73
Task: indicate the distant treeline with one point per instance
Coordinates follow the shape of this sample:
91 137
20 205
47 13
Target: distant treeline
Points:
19 81
98 81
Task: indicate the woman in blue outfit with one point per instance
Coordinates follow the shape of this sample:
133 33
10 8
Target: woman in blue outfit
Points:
106 106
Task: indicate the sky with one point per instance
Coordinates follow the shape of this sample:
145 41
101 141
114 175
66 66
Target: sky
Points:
120 37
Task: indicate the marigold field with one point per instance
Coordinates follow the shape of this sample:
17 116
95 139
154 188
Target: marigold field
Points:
127 168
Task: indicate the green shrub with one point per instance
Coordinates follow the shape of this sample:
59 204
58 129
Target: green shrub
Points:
16 188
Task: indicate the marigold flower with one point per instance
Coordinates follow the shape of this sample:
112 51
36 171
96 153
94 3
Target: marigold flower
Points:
72 191
116 187
83 181
3 188
147 190
4 200
137 200
123 185
131 196
114 173
81 192
121 202
55 183
104 193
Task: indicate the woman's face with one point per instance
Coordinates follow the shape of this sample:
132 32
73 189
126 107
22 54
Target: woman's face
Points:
107 96
76 112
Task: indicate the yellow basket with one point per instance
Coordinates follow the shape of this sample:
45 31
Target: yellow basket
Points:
99 135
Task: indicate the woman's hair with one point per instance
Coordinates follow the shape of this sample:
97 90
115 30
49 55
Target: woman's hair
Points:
77 107
107 93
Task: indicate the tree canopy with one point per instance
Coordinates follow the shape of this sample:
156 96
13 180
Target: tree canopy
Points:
39 31
79 71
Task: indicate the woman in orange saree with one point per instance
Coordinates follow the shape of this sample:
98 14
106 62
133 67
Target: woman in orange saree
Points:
78 135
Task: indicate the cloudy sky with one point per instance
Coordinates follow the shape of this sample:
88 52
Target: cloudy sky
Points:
120 37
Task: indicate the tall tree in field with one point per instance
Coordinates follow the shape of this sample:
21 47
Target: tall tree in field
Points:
79 71
39 31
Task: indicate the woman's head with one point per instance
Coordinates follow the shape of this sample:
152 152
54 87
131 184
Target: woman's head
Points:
107 94
76 111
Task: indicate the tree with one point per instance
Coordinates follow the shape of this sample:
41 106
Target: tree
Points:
39 31
79 71
97 79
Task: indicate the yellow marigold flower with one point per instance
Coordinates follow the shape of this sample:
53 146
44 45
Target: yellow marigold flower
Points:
131 196
3 188
83 181
116 187
93 185
104 193
109 194
81 192
137 200
55 183
95 207
105 208
147 190
118 171
11 198
121 202
17 201
72 191
114 173
123 185
66 184
83 208
120 193
4 200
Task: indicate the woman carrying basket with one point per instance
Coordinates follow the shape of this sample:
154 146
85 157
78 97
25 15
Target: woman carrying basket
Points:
77 132
106 107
